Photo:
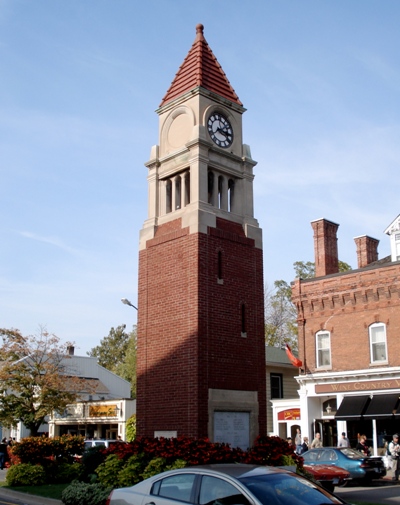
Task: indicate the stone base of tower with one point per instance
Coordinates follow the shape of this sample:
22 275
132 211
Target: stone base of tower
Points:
201 351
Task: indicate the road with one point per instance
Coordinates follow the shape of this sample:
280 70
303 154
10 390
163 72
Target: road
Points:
383 492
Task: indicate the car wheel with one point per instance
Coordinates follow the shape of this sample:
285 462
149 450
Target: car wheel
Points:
344 483
328 486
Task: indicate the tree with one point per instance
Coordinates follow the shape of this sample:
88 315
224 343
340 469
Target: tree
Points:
280 316
35 378
280 312
112 349
117 353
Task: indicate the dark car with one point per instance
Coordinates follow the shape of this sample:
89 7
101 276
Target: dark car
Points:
225 484
362 468
328 476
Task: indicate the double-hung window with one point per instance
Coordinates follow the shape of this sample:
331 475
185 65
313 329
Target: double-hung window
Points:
377 343
323 344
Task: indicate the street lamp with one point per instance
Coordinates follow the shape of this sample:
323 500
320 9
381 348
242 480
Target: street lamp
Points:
127 302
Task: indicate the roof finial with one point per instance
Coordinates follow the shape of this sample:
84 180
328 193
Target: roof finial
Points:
199 31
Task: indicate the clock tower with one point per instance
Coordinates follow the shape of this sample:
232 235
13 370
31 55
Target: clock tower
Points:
201 351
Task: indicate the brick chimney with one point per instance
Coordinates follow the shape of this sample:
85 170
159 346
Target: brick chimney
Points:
367 250
325 247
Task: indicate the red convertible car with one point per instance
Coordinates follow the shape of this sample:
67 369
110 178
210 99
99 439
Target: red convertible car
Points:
328 476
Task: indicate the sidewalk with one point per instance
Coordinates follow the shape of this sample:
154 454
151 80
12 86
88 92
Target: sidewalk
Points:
24 498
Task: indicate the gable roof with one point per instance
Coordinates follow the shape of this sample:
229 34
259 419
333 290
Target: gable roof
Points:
394 226
200 68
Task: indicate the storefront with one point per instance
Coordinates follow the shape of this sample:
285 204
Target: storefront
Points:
94 419
352 404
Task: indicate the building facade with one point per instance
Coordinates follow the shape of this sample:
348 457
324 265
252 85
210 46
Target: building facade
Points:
201 359
283 412
349 326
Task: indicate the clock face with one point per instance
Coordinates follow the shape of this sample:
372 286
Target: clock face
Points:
220 130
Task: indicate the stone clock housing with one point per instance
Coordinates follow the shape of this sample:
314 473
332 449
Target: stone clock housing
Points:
201 353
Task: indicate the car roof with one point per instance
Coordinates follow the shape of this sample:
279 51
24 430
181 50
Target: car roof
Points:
237 470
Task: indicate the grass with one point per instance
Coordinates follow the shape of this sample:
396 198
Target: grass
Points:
47 490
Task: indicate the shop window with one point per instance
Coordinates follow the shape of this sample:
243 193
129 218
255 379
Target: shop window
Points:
323 345
377 343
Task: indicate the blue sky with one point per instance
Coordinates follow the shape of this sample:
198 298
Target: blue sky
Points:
79 84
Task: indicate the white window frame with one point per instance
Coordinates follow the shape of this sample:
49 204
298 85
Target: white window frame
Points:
376 338
326 349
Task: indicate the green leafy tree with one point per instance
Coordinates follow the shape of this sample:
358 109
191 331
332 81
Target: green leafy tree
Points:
36 378
117 353
280 313
280 316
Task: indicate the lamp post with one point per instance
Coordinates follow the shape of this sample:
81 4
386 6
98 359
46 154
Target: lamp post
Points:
127 302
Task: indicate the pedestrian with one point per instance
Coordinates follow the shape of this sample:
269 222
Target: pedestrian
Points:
362 445
3 453
304 445
290 442
344 441
317 442
297 441
394 454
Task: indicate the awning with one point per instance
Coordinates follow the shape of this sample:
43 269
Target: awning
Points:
382 406
352 407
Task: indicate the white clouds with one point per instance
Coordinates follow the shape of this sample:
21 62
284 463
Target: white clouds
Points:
53 241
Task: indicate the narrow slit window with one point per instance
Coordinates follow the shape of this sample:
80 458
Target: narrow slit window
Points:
168 196
210 186
178 185
244 331
187 189
231 193
219 264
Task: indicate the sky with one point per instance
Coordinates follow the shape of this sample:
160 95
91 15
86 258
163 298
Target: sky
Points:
80 81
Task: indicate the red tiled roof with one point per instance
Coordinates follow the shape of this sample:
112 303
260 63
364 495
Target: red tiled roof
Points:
200 68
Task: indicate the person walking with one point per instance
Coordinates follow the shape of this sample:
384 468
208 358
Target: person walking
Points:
297 441
394 455
362 445
3 453
304 445
317 442
344 441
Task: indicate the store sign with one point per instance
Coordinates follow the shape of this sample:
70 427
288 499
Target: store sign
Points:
289 415
102 410
339 387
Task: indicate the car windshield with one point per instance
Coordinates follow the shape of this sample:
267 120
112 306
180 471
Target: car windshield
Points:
352 453
286 489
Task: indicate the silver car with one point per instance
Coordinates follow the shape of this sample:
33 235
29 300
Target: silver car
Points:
224 484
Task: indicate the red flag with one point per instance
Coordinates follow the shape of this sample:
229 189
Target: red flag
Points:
295 361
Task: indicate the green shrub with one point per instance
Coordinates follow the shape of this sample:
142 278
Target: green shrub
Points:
26 474
131 428
91 459
108 471
66 472
131 473
79 493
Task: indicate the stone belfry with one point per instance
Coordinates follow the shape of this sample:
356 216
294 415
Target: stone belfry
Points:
201 351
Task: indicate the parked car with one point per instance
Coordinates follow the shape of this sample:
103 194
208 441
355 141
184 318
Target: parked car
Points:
225 484
328 476
362 468
101 442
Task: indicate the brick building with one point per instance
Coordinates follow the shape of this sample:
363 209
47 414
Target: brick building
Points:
201 357
349 328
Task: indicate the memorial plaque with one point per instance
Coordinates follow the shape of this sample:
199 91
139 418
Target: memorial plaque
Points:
232 428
